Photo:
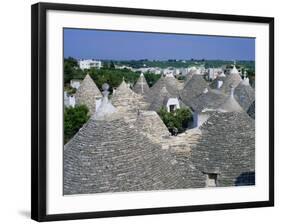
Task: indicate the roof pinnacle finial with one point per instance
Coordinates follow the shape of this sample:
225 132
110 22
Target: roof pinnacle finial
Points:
105 92
105 88
106 108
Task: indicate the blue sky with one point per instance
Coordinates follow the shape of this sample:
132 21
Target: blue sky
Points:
119 45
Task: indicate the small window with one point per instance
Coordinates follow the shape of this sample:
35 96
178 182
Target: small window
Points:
172 108
211 180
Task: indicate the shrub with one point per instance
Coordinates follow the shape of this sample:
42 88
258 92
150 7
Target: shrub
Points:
177 121
74 118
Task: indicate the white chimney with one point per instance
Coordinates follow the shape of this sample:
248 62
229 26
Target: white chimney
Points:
231 90
219 84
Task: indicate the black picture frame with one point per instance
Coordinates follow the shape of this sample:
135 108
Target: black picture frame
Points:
39 123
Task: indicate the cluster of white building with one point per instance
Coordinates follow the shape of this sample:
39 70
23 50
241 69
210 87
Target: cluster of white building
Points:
211 73
89 63
69 99
217 74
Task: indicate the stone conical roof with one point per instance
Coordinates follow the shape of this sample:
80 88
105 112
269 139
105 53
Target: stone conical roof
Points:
110 156
188 78
230 105
151 125
170 83
193 88
232 79
181 144
227 147
251 110
141 87
87 94
244 94
173 83
159 99
210 100
126 100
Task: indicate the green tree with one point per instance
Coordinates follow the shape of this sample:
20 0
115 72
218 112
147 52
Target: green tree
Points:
74 118
151 78
112 76
71 70
112 64
177 121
